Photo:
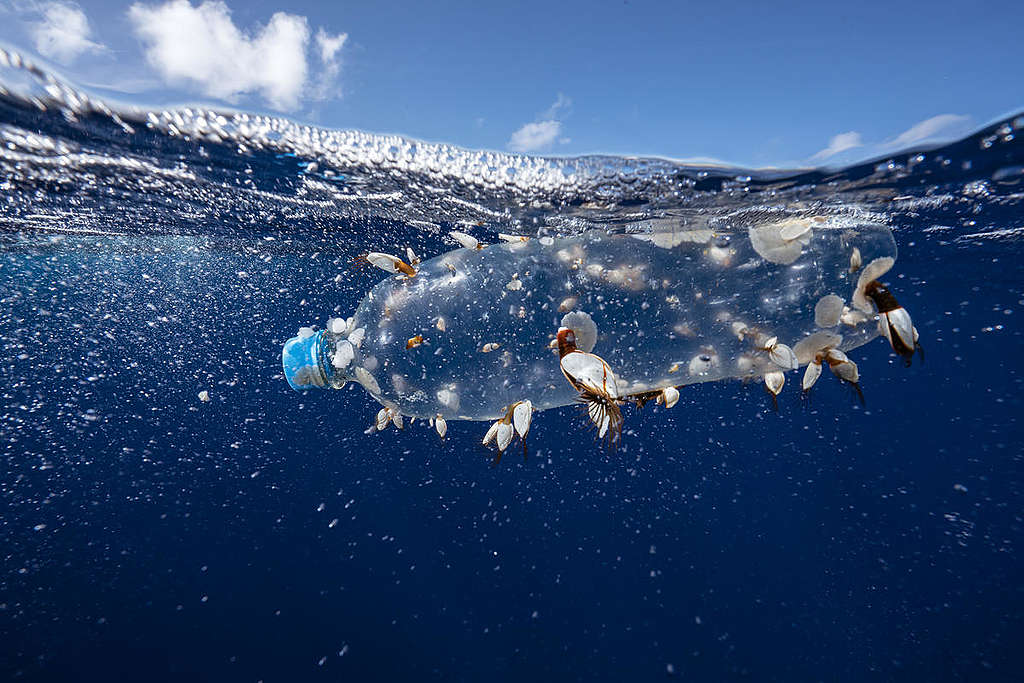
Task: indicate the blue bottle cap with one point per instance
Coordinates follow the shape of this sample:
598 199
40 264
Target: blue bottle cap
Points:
304 361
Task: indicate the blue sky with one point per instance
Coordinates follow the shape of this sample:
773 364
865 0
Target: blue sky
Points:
749 83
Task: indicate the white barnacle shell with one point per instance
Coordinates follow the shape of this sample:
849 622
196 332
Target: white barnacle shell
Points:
396 417
808 347
851 317
305 332
836 356
784 357
441 425
491 433
383 419
704 362
344 353
795 229
899 321
584 327
522 415
774 382
357 336
568 303
385 262
855 260
847 371
872 271
828 310
503 435
467 241
720 256
668 239
842 367
515 284
781 242
669 396
368 381
811 375
448 398
590 372
744 364
337 325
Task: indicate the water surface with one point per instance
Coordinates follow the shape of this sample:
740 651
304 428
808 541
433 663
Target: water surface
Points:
146 256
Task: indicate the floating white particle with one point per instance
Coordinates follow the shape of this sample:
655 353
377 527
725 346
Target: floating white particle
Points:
204 396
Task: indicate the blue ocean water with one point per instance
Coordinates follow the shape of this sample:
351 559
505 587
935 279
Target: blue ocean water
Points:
147 535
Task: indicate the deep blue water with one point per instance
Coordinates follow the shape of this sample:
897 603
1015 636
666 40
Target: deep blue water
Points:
149 536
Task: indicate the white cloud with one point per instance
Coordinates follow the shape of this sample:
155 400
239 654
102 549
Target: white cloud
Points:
941 126
63 32
545 130
535 136
840 143
201 47
559 110
328 46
